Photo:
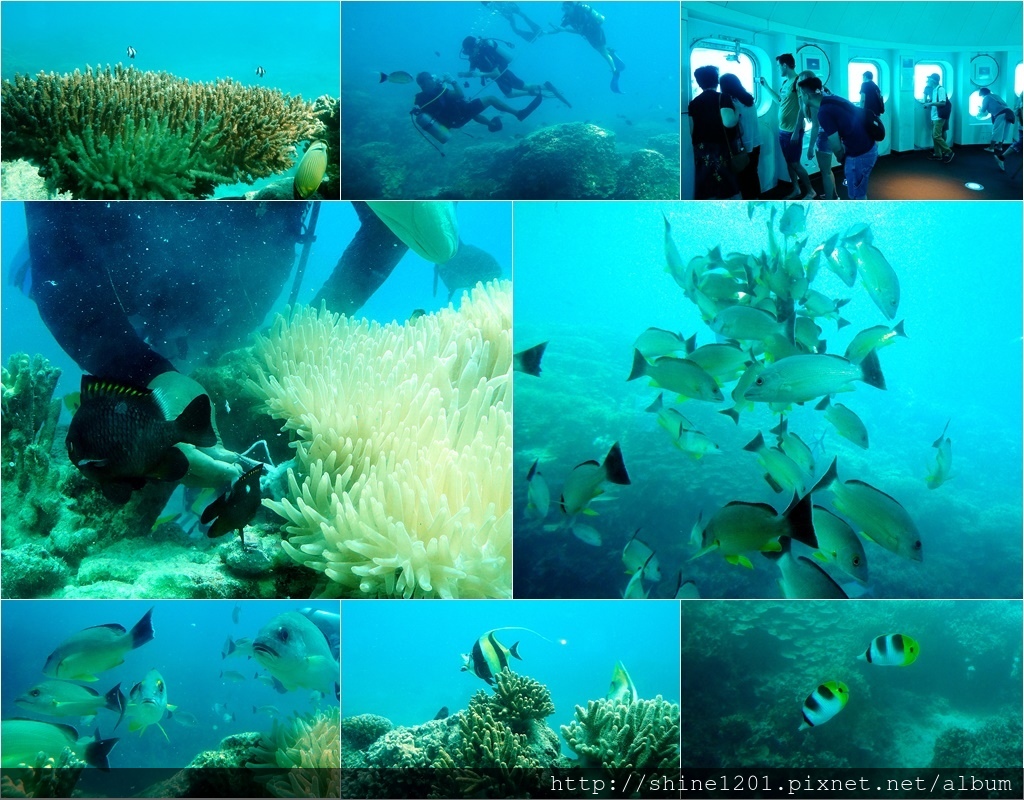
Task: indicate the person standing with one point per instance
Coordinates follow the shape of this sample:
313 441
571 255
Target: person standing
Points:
713 133
939 111
750 135
843 123
871 95
791 127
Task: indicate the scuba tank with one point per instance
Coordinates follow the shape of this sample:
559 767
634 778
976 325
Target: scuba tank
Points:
501 48
432 126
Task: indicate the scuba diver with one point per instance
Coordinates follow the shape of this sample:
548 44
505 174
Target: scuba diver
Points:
489 60
509 11
581 19
133 291
441 106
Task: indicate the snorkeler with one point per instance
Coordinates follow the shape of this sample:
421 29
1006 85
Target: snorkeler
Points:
581 19
490 61
510 11
441 105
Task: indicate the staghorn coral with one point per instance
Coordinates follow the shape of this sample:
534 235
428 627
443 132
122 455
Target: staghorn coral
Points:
309 748
404 437
519 699
614 735
248 132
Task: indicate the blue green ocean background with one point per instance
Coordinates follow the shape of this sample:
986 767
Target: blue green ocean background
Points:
591 277
296 43
189 638
749 666
402 660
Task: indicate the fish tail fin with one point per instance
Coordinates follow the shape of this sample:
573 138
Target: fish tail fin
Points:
533 470
530 359
639 366
781 428
732 413
755 444
826 401
115 702
142 632
657 405
514 651
791 328
899 331
800 517
382 77
195 423
831 474
96 752
871 371
690 344
942 435
841 323
614 467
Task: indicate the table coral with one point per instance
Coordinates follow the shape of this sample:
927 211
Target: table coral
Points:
404 439
133 134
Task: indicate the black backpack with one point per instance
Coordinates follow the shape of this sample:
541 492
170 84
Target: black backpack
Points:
875 101
873 126
946 108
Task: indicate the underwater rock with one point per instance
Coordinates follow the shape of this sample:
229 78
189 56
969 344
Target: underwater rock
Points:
373 171
648 176
215 773
359 732
32 571
573 161
20 179
257 560
668 145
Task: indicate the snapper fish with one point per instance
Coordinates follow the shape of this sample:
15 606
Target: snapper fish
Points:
782 473
585 480
297 653
894 650
793 446
121 436
679 375
876 274
528 361
846 422
147 704
800 378
802 579
874 514
873 338
398 77
67 699
85 654
838 543
621 689
23 740
656 342
824 703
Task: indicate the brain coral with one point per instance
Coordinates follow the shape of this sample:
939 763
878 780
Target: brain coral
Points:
404 444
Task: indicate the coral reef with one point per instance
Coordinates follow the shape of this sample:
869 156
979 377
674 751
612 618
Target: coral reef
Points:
48 778
131 134
359 732
216 773
648 175
403 437
29 414
995 745
308 749
373 170
614 735
20 180
519 700
575 160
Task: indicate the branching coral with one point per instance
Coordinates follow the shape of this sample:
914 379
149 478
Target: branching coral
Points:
519 699
98 118
613 735
310 750
404 437
29 415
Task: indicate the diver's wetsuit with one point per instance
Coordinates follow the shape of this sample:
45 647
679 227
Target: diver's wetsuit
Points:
366 263
448 108
587 22
487 58
116 282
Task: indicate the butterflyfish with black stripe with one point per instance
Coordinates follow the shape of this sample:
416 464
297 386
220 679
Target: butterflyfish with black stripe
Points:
894 650
824 703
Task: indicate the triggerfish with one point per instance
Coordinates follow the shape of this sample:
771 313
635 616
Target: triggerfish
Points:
894 650
23 740
67 699
621 689
824 703
120 437
584 482
91 651
297 653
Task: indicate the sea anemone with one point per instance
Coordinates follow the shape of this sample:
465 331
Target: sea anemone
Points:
309 748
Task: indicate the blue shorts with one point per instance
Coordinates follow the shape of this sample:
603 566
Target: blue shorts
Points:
822 144
791 145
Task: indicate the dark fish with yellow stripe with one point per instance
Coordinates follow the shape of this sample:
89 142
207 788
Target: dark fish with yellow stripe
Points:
489 657
311 170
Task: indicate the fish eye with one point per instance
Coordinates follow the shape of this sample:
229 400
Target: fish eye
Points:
856 561
917 545
35 693
759 382
282 634
159 686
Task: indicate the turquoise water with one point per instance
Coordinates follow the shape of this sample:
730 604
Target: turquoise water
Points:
189 637
402 660
748 667
590 278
